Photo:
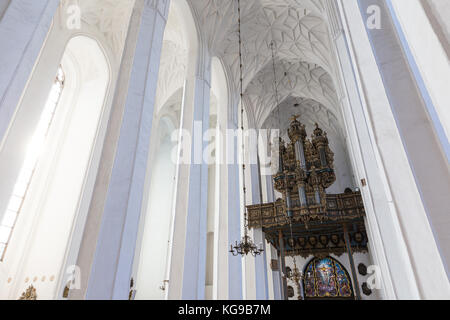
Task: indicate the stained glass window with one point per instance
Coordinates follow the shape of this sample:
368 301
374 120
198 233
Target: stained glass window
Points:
29 166
326 278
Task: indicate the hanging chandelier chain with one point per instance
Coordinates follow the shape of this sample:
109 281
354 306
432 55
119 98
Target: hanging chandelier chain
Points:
241 86
277 97
246 245
292 237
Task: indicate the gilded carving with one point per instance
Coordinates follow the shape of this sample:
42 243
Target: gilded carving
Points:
29 294
315 216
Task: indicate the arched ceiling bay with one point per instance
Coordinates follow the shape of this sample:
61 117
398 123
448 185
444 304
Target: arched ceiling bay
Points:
299 79
309 112
173 64
110 18
303 56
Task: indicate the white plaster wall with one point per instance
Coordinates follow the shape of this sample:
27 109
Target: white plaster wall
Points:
154 248
431 66
178 232
219 90
24 27
441 9
158 217
40 82
3 6
394 206
428 51
38 250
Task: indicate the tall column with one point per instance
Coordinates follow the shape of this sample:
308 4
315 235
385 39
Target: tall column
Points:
282 265
181 197
352 262
196 229
235 288
221 276
400 73
23 29
276 283
115 246
261 281
277 286
397 198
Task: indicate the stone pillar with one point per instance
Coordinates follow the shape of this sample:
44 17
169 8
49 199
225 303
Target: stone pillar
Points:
110 264
177 249
196 231
221 276
276 274
235 288
23 30
282 259
393 105
261 281
272 254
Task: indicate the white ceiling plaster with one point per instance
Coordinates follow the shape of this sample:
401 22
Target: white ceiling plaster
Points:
309 111
172 71
300 32
109 18
297 27
174 57
294 79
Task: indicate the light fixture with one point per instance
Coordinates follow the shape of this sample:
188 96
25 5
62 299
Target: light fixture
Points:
246 245
297 277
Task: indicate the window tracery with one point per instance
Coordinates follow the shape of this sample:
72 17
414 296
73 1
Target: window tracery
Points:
327 278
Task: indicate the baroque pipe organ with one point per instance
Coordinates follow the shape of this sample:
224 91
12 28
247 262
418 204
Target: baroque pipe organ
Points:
308 221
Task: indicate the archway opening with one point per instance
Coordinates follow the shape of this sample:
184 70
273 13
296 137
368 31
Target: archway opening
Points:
152 258
62 147
326 278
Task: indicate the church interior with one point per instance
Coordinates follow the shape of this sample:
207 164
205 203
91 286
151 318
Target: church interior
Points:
224 150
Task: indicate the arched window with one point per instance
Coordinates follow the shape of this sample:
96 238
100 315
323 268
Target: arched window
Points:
26 173
50 159
326 278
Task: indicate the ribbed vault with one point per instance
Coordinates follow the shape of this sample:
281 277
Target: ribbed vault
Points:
299 30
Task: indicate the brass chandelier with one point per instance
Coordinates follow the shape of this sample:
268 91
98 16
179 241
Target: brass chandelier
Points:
246 245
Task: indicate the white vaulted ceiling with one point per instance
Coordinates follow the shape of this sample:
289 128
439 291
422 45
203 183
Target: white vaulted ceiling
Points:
310 112
303 56
300 79
173 64
108 20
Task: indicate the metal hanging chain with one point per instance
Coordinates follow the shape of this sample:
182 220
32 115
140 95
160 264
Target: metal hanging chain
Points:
292 237
277 98
242 117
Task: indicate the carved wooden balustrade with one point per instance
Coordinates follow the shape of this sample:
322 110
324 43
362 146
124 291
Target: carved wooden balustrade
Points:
340 208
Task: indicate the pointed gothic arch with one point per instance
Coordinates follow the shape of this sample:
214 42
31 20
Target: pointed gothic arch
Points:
327 278
51 219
